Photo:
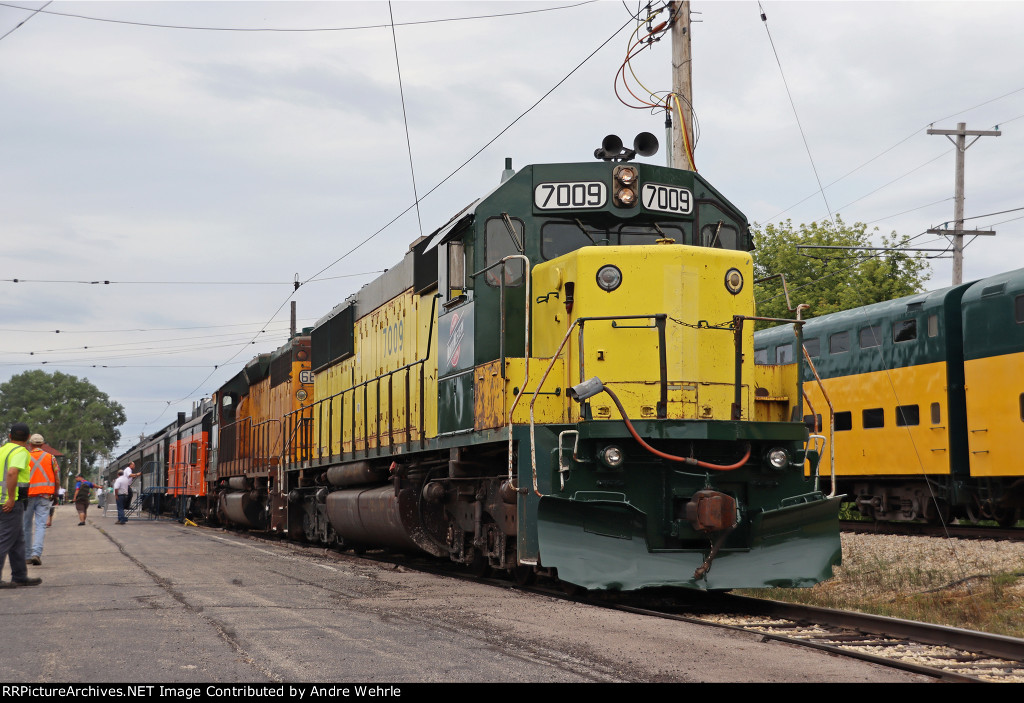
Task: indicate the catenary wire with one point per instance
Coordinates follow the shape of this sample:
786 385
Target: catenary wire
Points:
18 26
281 29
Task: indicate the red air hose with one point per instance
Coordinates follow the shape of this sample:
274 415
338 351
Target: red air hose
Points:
671 457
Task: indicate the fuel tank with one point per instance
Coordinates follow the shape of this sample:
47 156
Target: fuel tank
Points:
244 508
376 517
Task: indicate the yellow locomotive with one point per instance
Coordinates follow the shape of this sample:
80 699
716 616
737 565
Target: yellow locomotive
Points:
558 381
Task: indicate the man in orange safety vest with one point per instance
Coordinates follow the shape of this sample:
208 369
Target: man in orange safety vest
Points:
42 492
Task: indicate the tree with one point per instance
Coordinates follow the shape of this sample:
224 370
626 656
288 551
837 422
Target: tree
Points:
64 409
830 280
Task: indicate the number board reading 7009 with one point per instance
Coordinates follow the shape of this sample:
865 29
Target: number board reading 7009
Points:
665 198
570 196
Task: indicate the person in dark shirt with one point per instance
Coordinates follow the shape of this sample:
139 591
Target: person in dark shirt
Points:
82 496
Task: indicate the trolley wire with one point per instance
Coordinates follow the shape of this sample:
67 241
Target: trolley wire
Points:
803 136
914 133
155 25
367 239
18 26
471 157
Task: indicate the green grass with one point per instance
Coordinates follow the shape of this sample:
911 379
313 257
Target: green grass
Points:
989 602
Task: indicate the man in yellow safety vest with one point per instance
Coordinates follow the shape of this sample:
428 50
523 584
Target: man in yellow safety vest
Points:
14 458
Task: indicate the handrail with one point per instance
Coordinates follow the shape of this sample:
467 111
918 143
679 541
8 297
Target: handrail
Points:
365 386
831 424
659 325
533 439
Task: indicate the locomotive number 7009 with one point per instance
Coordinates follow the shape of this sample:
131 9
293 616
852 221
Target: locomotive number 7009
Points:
667 198
565 196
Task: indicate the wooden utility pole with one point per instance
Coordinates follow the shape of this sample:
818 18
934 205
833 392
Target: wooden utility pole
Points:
682 77
961 133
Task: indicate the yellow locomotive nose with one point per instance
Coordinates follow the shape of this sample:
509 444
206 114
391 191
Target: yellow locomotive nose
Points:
697 290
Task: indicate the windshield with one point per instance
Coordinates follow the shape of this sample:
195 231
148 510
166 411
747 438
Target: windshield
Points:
560 237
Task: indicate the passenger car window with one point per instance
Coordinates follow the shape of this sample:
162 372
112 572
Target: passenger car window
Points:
873 418
813 347
784 354
904 331
871 337
839 343
907 415
844 421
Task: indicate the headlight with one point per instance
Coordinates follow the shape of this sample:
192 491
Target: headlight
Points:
609 277
301 395
627 197
777 457
733 281
626 175
612 457
624 186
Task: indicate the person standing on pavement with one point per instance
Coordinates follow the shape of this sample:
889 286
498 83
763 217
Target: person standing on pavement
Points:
42 492
129 470
121 485
14 462
83 494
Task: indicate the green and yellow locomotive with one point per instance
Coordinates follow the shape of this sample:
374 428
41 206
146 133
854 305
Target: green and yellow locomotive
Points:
560 380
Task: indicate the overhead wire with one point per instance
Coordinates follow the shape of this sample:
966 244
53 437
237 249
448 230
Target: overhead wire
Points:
407 209
671 100
471 157
796 115
915 133
132 329
913 209
123 345
155 25
19 25
405 118
181 283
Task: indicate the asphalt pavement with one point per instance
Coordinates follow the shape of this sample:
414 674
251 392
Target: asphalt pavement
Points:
159 601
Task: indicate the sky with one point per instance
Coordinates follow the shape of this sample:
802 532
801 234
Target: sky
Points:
202 169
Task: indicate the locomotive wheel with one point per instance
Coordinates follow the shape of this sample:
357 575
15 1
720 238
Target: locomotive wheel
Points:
940 513
571 589
479 567
1004 517
523 575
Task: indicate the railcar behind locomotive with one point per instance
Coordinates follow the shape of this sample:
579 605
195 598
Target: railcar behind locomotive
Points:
928 392
558 381
172 465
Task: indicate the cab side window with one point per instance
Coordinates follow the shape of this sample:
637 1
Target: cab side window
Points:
498 244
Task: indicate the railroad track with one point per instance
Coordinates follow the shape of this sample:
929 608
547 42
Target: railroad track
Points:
929 530
944 653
